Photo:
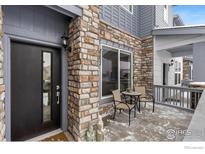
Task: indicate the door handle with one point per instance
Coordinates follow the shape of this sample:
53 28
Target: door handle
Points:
58 94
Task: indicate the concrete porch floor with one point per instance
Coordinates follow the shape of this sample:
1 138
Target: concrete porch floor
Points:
148 126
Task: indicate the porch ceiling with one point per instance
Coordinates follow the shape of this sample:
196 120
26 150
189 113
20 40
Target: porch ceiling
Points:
174 39
186 50
176 42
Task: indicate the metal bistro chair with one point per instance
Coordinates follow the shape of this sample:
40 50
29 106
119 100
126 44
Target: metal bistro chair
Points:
121 104
145 97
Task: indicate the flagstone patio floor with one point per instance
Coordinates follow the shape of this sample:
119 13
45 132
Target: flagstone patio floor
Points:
165 124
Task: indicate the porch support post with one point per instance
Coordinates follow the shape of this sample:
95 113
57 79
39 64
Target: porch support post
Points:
83 71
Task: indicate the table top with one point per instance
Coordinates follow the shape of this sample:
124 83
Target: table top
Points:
133 93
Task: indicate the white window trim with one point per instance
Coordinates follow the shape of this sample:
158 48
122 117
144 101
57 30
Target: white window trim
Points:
119 51
179 72
131 12
166 14
191 72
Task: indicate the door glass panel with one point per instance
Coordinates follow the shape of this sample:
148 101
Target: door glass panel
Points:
109 70
125 71
46 86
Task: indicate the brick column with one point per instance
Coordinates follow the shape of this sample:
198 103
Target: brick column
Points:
83 71
185 69
2 88
147 64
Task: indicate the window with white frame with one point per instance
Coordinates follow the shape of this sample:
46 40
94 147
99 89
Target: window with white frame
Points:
178 72
166 13
116 70
128 8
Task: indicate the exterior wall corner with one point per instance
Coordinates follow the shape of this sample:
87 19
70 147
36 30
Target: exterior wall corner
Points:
83 72
2 86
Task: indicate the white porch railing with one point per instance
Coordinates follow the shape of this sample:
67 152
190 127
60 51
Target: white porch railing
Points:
181 97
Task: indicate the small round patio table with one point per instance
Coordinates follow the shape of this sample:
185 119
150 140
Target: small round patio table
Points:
134 97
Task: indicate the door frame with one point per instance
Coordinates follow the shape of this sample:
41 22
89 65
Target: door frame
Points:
7 38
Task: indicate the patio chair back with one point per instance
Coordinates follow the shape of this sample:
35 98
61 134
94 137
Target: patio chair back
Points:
116 95
141 90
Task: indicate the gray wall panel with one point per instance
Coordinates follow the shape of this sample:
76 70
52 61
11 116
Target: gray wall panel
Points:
146 13
35 22
121 18
139 23
198 62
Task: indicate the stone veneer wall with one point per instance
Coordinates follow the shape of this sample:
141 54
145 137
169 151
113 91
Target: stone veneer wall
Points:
83 71
185 69
2 87
111 33
142 57
147 64
84 64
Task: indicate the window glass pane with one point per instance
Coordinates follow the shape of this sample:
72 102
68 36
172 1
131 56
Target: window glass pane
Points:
125 71
166 13
46 86
176 66
109 70
128 7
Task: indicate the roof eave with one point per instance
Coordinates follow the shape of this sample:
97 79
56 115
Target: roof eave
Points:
182 30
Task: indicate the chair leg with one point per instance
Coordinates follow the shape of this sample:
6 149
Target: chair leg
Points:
145 104
120 111
129 116
114 113
139 106
153 106
135 110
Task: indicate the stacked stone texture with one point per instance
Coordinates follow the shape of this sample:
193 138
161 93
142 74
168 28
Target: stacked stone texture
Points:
142 57
121 37
83 71
147 64
2 87
83 68
185 69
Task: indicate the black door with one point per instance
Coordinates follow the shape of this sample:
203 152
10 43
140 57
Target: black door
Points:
165 81
35 90
165 73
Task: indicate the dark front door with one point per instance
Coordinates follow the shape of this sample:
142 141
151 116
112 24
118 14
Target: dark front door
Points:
165 73
165 80
35 90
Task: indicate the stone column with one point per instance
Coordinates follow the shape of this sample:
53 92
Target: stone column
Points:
83 71
147 63
2 87
185 69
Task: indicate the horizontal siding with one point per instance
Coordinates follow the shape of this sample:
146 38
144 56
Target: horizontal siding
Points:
36 22
141 22
146 19
159 9
121 18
